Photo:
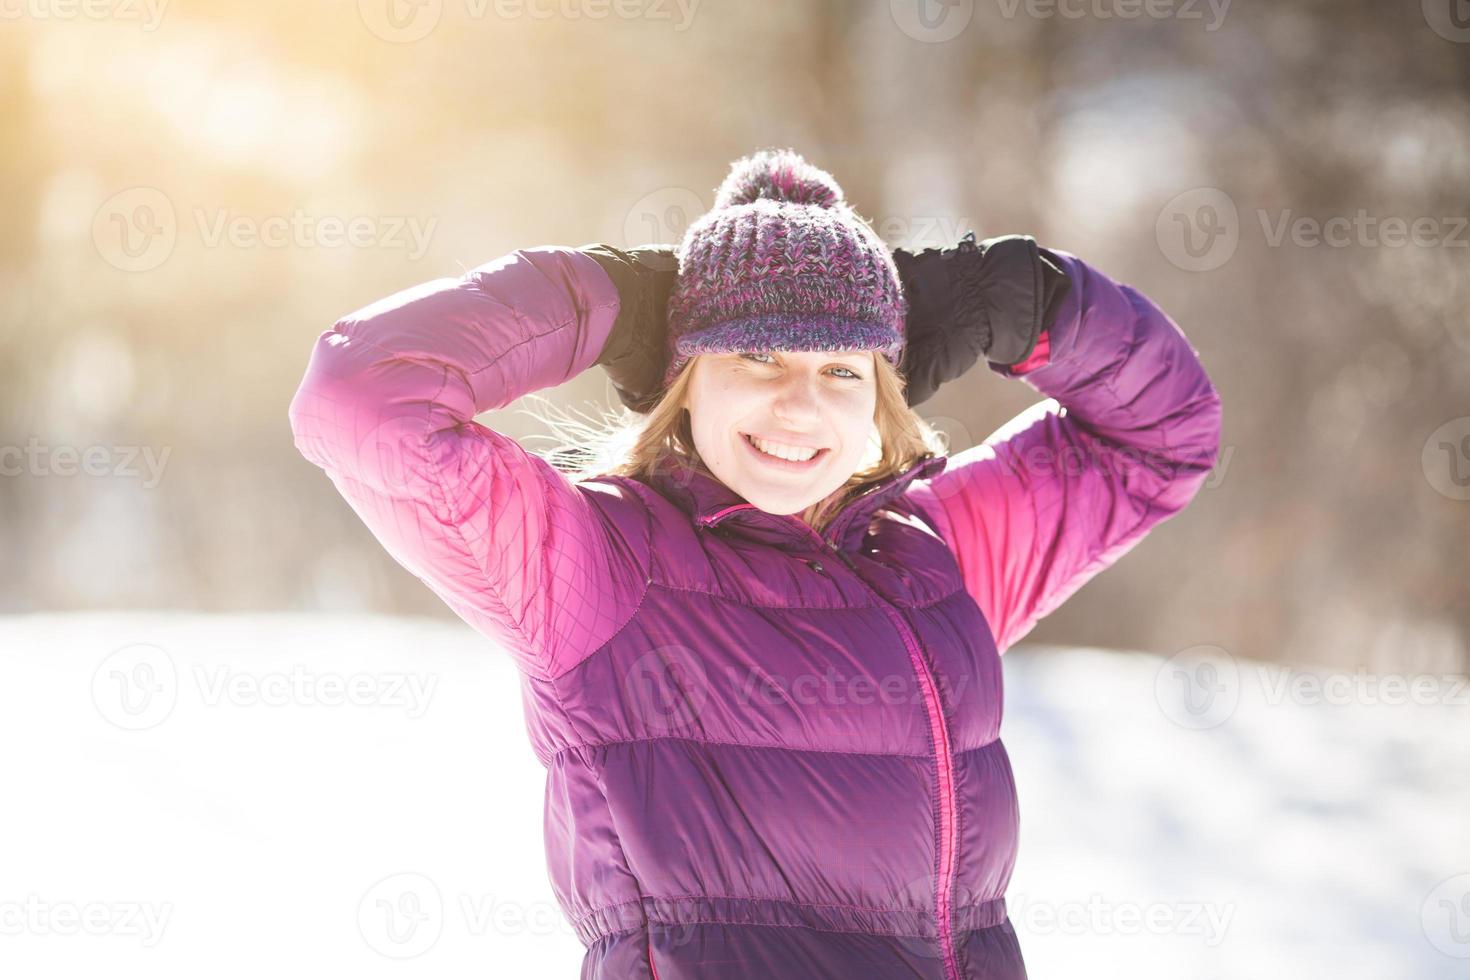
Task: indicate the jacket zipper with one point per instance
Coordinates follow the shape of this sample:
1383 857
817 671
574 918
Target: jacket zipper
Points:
938 731
945 764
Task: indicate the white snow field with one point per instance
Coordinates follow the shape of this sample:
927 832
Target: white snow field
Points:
302 795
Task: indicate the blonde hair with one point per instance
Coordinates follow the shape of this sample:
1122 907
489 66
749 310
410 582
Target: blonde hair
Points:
638 446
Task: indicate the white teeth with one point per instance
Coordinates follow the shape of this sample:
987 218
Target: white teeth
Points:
785 452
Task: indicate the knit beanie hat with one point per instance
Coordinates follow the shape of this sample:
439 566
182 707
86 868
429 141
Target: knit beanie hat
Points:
782 262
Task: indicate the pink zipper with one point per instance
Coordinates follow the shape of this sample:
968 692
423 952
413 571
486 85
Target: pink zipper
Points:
944 764
937 730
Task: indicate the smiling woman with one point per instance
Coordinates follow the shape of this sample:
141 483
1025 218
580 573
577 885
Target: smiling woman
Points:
849 405
691 829
783 429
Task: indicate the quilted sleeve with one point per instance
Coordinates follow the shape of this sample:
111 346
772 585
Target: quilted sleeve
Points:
1127 435
387 409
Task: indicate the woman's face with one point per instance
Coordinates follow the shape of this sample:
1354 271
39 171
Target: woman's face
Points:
794 402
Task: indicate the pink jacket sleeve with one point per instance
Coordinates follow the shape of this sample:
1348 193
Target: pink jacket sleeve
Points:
505 539
1127 435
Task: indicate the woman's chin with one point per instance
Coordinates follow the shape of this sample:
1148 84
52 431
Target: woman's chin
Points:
782 499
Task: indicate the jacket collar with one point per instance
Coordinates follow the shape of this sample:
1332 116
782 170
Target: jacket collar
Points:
710 504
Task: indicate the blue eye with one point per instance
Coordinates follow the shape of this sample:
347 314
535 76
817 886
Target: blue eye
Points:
850 376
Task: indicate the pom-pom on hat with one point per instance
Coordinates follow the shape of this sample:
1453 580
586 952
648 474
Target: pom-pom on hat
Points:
782 262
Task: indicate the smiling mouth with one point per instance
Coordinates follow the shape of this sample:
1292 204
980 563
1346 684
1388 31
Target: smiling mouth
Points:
791 464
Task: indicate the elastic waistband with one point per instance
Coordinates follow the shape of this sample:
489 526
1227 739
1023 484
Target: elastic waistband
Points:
638 914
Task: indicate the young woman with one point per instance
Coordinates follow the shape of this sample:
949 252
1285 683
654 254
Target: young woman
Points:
761 655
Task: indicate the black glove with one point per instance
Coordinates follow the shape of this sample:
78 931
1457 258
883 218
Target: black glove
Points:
634 353
990 298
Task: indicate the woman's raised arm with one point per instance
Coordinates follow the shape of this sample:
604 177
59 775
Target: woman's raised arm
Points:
1124 440
505 539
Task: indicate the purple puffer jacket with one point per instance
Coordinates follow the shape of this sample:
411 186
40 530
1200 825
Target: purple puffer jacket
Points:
770 754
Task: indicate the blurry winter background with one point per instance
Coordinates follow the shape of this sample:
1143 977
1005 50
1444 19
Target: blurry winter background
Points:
240 739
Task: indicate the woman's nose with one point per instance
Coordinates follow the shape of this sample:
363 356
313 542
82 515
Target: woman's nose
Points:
798 395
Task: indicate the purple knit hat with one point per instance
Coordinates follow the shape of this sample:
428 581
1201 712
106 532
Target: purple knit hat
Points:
782 262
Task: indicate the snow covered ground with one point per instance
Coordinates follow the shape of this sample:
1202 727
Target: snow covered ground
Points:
279 795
